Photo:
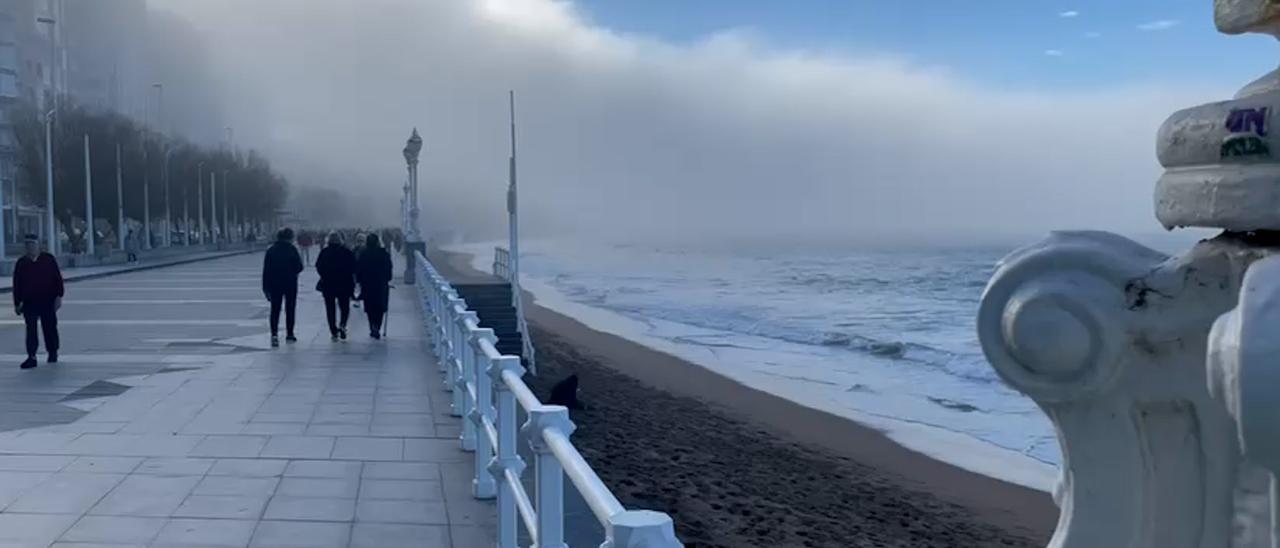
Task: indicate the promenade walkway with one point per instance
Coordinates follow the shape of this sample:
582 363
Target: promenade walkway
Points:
170 422
149 261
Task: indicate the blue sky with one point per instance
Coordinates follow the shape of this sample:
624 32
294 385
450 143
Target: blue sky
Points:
1034 44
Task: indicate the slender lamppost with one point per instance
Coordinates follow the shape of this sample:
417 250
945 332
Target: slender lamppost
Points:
200 202
413 242
48 134
52 236
89 231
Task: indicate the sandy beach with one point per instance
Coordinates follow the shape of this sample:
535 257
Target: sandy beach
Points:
738 467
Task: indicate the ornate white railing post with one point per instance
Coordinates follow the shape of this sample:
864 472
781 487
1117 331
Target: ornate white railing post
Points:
467 375
484 486
508 462
442 331
1111 339
455 307
1244 375
549 479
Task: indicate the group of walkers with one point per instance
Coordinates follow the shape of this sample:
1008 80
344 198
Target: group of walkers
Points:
38 287
306 239
365 265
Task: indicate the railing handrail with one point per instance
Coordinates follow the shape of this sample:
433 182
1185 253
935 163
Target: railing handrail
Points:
488 389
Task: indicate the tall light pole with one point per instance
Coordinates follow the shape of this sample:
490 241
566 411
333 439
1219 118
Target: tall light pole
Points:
119 198
200 201
146 197
513 210
88 199
226 205
213 206
48 133
186 215
413 242
168 212
48 182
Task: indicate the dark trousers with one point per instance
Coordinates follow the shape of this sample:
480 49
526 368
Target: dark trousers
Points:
47 316
334 303
375 319
290 301
133 257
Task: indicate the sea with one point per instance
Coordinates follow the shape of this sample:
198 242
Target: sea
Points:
884 336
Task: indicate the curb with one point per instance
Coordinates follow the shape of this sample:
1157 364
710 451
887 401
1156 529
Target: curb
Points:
143 267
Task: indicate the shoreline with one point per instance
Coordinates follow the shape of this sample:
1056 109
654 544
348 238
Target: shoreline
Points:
1028 516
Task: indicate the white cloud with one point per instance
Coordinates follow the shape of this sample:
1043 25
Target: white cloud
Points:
1054 52
1092 35
1069 14
1162 24
625 136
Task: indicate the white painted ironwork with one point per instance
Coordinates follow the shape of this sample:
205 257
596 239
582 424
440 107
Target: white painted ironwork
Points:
488 390
1160 373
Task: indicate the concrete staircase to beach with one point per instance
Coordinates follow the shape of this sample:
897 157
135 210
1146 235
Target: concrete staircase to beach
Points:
493 304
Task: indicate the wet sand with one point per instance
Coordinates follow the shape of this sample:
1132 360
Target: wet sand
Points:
737 467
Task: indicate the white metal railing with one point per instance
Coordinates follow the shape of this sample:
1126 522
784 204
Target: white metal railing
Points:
487 388
502 269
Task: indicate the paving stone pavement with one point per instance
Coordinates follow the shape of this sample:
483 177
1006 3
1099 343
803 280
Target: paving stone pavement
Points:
170 422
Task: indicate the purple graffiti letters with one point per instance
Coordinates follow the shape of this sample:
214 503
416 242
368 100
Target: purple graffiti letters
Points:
1243 120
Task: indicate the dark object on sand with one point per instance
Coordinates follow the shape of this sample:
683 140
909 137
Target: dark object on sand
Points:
565 393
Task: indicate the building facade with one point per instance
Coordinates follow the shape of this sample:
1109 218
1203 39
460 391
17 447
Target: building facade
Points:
90 50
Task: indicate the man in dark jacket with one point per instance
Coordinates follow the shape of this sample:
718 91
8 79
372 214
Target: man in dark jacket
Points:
37 296
280 269
373 271
337 268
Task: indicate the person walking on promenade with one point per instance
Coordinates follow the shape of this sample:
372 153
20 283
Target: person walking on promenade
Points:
37 296
337 268
373 270
131 247
280 269
305 242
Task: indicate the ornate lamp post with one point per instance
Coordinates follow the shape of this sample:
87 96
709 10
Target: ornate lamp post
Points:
1161 373
413 238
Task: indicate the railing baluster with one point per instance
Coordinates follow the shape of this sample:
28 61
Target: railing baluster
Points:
467 377
549 482
455 358
484 484
508 457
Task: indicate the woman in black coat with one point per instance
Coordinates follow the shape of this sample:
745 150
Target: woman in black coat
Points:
373 271
337 268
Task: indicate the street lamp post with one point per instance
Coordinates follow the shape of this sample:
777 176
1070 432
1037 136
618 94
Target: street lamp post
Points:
88 199
213 206
226 206
120 234
48 186
200 201
48 132
168 212
146 198
186 215
413 243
